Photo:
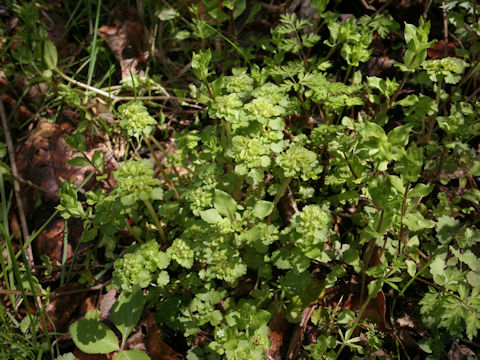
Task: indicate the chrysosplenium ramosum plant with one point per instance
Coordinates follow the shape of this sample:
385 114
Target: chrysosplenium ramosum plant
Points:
285 155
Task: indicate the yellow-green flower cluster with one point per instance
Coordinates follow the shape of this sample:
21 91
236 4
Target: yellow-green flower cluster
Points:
249 152
297 161
313 223
135 119
226 106
134 177
140 266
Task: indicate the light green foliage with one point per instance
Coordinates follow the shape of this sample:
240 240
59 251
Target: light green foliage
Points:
135 119
140 266
135 177
244 335
298 170
69 205
417 45
297 161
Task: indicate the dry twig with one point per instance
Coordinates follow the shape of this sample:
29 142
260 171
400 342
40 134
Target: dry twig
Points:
16 185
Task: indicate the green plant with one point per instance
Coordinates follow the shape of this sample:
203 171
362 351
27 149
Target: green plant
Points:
93 337
299 170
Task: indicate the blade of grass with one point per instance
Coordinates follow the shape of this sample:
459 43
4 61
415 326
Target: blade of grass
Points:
93 55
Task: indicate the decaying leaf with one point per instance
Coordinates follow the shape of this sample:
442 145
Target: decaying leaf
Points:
43 159
126 39
278 331
441 49
156 347
61 308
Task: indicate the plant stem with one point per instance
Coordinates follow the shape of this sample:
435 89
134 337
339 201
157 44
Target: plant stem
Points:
368 256
162 169
116 98
163 238
279 195
404 210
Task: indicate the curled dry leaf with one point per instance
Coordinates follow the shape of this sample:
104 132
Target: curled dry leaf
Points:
126 39
156 347
61 308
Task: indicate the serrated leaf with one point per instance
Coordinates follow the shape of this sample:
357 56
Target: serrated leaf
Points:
127 311
224 204
446 228
473 324
93 337
131 355
67 356
79 161
262 209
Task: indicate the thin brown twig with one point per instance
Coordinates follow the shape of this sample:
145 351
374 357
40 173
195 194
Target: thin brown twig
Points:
54 294
16 185
299 332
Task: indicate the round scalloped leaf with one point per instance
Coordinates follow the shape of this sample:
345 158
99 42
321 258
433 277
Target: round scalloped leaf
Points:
131 355
93 337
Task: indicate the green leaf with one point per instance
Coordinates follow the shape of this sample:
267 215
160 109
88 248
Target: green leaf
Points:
200 63
127 311
224 204
420 190
319 6
79 161
210 216
131 355
67 356
262 209
415 221
93 337
473 324
446 229
76 141
98 160
411 267
50 55
168 14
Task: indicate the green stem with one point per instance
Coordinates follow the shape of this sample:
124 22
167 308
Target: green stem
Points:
134 234
162 169
368 256
432 118
404 211
238 189
163 238
279 195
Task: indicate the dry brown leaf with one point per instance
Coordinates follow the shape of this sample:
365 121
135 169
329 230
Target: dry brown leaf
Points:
126 39
106 303
50 240
43 159
441 49
61 308
156 347
278 329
